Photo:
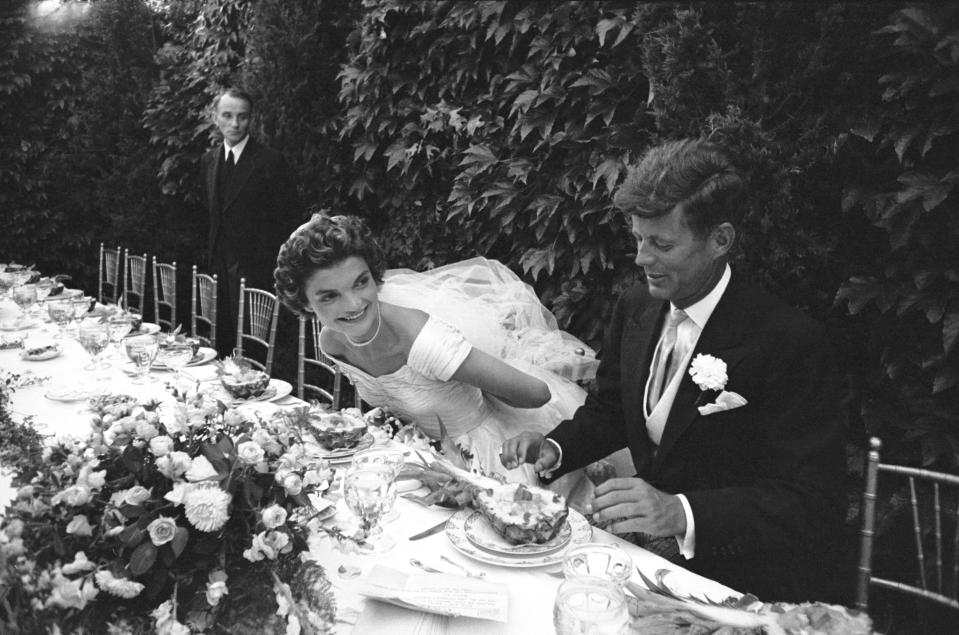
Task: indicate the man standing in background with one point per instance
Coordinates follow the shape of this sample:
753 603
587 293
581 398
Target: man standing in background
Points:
250 192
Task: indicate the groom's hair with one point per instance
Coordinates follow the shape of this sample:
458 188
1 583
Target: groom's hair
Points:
696 173
321 243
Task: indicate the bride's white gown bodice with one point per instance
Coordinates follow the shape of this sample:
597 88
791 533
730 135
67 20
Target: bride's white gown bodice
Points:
422 390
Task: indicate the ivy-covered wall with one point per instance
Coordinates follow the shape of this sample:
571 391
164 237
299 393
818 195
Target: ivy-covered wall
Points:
502 128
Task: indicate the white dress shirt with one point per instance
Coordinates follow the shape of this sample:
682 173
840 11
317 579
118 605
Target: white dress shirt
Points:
237 149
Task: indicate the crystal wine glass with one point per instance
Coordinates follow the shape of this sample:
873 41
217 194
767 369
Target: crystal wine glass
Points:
81 306
61 312
175 356
369 492
120 326
25 296
387 457
142 350
44 287
94 337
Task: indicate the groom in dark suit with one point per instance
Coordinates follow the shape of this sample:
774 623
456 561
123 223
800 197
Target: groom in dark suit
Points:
727 398
251 195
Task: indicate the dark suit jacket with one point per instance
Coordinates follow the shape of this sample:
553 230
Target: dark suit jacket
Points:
253 217
764 481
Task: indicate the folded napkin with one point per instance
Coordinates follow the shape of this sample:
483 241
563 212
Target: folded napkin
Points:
438 593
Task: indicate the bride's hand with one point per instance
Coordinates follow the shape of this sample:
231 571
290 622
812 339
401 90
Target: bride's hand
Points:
528 447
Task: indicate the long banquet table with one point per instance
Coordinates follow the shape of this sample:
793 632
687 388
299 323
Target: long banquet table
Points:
531 590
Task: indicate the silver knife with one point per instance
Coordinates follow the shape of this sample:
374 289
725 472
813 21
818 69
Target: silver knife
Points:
435 529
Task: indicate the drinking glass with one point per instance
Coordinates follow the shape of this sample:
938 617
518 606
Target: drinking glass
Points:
94 337
369 492
587 604
120 326
600 560
387 457
44 287
61 312
25 296
81 306
142 350
175 356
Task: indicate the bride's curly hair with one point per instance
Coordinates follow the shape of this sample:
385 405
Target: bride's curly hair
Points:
321 243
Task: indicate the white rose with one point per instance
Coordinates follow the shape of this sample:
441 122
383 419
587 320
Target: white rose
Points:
174 464
79 526
250 452
274 516
146 431
80 564
136 495
293 484
201 470
161 445
162 530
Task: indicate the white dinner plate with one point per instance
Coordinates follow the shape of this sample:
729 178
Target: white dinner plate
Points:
146 328
344 455
17 324
66 393
580 533
480 532
203 355
49 353
276 390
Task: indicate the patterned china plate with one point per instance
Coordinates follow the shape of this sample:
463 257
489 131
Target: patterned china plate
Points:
45 354
203 355
580 532
481 533
17 324
345 455
146 328
274 392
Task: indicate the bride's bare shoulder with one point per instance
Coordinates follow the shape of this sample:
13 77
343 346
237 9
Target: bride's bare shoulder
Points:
332 343
407 321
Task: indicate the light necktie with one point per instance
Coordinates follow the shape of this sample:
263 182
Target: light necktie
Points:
669 354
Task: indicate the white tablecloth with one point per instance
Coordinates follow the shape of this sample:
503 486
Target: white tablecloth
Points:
531 591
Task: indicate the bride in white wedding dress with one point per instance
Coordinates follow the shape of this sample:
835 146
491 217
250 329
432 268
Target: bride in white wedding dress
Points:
468 344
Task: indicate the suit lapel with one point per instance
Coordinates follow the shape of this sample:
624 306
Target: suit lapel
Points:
242 172
722 338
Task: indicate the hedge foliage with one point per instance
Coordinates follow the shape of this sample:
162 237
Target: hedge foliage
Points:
502 128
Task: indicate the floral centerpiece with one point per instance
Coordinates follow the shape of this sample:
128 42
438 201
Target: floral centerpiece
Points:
174 517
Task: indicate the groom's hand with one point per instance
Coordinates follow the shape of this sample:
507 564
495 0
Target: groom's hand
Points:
635 505
528 447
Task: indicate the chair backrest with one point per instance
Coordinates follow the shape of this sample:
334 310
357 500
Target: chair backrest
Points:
109 275
310 358
134 282
203 307
164 293
933 497
256 323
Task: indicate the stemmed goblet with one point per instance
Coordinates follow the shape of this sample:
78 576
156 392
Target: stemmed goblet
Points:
142 350
61 312
369 492
175 356
390 458
94 337
81 306
25 297
44 288
120 326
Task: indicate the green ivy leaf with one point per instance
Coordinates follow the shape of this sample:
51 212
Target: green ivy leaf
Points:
950 331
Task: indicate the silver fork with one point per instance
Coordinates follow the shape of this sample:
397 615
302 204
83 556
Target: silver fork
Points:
472 574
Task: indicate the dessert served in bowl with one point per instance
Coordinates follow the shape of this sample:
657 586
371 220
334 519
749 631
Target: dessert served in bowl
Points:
240 380
341 430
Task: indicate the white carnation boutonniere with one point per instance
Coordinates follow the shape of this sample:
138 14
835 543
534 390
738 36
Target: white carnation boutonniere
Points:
709 373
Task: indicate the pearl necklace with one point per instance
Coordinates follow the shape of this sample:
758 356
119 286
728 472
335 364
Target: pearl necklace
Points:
379 323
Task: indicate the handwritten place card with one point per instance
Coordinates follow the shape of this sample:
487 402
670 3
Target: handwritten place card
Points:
440 593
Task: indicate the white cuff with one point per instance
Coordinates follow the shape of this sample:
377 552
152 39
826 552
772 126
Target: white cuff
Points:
687 544
559 461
